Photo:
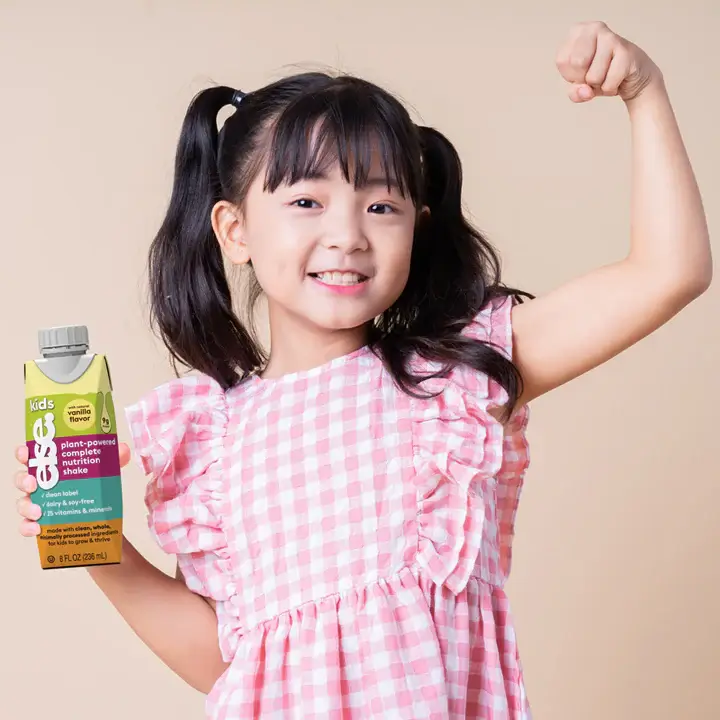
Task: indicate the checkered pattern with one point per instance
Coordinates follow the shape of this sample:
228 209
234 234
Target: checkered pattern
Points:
356 540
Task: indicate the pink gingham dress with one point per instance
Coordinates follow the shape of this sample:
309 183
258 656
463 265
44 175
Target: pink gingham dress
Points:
355 539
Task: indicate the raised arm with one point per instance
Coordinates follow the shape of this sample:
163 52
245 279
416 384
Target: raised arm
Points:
594 317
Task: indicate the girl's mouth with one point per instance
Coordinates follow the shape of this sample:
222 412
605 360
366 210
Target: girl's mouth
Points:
332 277
345 283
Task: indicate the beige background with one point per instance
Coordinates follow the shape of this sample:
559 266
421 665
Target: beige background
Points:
616 584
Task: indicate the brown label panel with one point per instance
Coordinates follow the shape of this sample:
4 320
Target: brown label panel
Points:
80 544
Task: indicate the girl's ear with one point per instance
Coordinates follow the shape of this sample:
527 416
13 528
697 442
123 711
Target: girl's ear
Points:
229 228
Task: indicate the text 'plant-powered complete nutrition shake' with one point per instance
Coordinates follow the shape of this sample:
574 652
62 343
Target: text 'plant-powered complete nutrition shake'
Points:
73 451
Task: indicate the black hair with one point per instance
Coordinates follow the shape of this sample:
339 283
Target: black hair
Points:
294 128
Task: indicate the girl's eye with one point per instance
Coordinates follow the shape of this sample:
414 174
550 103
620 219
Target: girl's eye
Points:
381 209
305 203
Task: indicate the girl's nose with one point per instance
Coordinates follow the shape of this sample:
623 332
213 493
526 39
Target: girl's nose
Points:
347 236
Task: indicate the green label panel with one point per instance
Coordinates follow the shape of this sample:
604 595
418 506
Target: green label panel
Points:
73 414
72 501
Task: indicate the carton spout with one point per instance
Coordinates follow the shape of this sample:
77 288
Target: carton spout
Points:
63 341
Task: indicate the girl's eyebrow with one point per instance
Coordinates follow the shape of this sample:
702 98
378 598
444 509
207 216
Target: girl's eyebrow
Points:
388 182
385 182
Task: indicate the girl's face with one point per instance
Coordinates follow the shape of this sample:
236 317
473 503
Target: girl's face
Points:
326 254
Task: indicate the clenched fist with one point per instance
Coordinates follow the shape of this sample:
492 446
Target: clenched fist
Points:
599 63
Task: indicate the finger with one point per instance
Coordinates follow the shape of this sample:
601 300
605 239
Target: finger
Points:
26 483
617 72
581 92
124 451
28 528
600 64
578 56
21 454
28 509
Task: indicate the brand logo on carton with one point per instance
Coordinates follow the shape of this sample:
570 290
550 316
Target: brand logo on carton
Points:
44 404
45 460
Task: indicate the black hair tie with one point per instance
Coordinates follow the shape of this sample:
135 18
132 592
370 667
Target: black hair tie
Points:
237 98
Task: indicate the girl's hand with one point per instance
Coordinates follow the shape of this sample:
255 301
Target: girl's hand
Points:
26 483
598 63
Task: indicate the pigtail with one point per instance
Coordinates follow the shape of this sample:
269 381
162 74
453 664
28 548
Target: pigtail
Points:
190 299
454 273
465 262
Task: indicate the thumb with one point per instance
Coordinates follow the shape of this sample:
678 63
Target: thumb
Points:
581 92
124 452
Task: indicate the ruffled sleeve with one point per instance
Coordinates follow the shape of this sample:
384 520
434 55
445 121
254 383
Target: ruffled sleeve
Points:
178 431
492 325
458 449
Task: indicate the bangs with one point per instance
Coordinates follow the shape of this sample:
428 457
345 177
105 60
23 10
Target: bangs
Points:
355 126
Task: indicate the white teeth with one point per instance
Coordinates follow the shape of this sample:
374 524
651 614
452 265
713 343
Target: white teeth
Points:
338 278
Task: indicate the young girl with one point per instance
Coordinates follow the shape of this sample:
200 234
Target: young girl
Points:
342 509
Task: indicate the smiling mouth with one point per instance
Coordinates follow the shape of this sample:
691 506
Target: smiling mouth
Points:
340 278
